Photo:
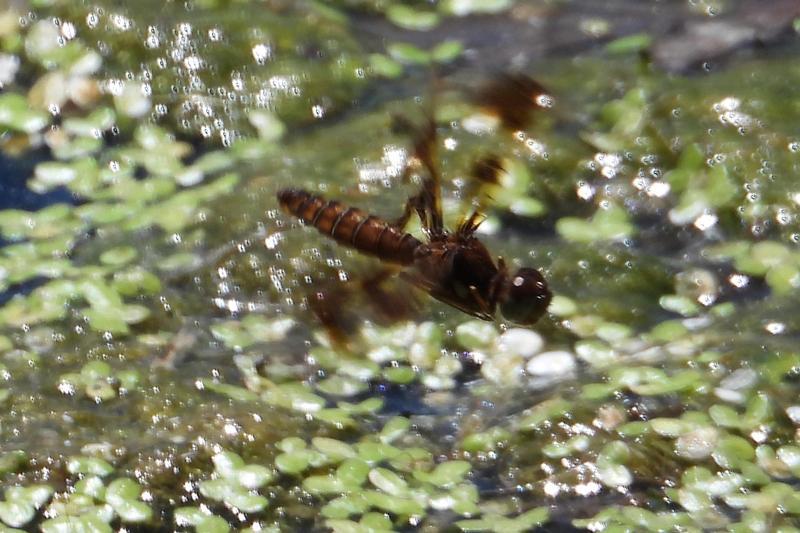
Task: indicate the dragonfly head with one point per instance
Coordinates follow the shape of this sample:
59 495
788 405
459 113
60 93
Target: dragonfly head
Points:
524 297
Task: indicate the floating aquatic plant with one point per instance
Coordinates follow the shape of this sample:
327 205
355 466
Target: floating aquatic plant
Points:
92 506
236 483
20 504
98 381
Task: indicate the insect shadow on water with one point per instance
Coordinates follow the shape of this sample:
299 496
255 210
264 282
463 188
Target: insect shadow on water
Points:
452 266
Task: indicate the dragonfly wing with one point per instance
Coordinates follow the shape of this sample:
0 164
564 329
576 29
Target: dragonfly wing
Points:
468 304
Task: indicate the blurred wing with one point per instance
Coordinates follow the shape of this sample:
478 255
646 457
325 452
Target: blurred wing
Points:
424 138
469 225
513 98
425 151
343 307
443 294
484 176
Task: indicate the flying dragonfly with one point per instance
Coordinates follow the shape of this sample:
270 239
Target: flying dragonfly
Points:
453 266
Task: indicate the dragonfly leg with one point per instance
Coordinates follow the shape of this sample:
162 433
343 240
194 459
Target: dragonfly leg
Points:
483 305
415 204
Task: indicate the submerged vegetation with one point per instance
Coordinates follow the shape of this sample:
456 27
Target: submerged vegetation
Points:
159 368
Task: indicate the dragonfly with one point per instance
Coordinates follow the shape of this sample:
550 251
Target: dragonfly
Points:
452 266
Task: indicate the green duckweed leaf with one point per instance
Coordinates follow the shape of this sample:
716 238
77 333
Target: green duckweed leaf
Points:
446 474
227 463
475 334
374 452
16 114
334 450
783 279
91 486
447 51
394 504
291 444
492 522
368 406
239 394
411 18
230 492
72 524
293 462
462 8
485 441
401 375
253 476
533 518
89 465
352 473
189 516
119 256
376 522
212 524
385 66
336 417
544 412
388 482
394 429
732 450
342 386
344 507
610 223
362 370
324 485
106 320
232 334
629 44
132 511
135 281
557 450
16 513
294 396
408 54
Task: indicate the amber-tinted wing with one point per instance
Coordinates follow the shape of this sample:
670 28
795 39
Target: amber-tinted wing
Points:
343 307
467 305
484 178
470 224
487 169
513 98
428 202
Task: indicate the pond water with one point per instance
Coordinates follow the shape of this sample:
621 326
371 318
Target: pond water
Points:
161 364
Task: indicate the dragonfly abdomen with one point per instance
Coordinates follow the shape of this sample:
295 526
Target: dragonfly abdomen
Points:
351 226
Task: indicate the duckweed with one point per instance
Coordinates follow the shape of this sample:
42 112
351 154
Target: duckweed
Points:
202 520
98 381
236 483
21 503
522 522
609 223
92 506
410 18
467 7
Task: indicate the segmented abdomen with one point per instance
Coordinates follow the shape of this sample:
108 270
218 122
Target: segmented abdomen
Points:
351 226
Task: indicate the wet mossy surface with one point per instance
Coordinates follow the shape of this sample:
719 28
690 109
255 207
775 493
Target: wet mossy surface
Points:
160 367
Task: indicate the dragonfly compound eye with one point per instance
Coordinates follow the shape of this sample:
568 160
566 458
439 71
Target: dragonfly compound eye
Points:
525 297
